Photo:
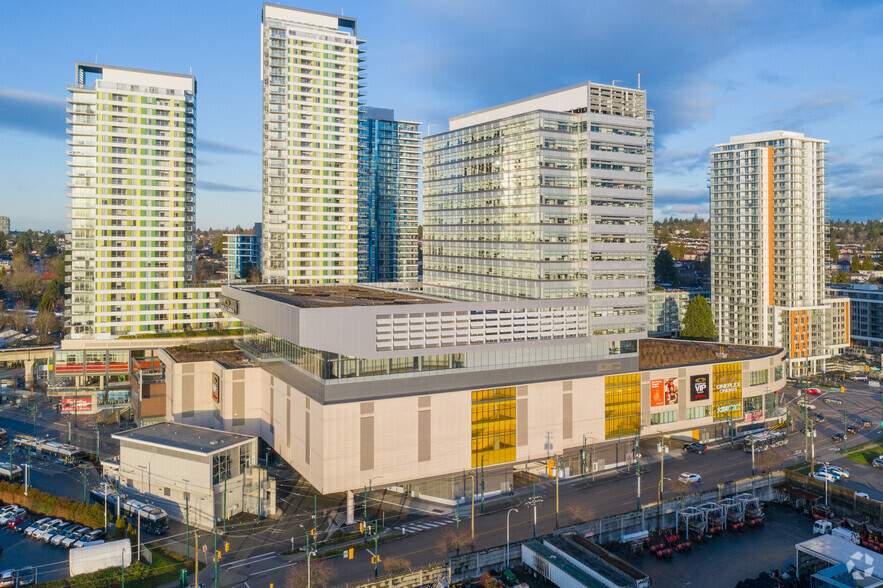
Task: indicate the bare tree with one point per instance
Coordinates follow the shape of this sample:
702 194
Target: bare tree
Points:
19 316
45 324
581 513
321 574
452 541
395 565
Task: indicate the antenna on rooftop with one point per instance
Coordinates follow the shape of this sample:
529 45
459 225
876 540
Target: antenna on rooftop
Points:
613 83
639 78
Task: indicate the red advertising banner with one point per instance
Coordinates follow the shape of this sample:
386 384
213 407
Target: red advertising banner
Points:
657 393
76 405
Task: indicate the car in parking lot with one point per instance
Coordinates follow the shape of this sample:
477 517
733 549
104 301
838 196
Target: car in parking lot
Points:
46 528
11 514
59 528
695 447
824 476
68 541
36 525
91 538
813 391
7 579
8 509
57 538
26 576
830 470
878 462
689 478
836 437
833 401
17 520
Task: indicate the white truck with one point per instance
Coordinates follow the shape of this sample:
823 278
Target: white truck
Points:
824 527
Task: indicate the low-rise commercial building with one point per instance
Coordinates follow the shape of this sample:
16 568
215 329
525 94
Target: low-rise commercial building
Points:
358 386
864 318
196 474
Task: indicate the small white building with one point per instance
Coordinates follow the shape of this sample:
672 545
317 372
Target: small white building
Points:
194 473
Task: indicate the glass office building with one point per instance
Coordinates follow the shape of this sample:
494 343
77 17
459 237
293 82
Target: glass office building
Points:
389 164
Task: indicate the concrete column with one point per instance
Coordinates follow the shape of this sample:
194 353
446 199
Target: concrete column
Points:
350 508
29 373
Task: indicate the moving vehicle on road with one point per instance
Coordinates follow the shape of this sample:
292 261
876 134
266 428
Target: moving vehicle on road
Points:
851 430
153 519
878 462
837 437
9 471
813 391
824 476
695 447
819 417
689 478
806 404
866 424
836 401
837 470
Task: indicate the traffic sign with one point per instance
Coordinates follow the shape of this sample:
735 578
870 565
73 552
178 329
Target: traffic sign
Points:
204 548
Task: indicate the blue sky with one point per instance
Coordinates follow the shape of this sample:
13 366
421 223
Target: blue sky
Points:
713 69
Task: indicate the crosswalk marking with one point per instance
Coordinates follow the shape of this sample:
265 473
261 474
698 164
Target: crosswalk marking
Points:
419 526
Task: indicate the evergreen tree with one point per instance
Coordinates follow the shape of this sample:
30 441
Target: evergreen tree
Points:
664 267
833 252
698 322
840 277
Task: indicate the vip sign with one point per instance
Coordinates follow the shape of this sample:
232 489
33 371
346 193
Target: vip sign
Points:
699 387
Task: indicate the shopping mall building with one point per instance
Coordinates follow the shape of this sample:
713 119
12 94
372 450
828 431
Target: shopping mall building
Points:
359 386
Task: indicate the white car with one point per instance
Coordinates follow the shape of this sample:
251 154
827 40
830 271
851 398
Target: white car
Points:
11 514
61 536
46 528
75 536
878 462
824 476
688 478
837 471
862 495
804 403
7 509
36 525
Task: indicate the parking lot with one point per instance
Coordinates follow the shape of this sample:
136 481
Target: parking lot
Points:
19 550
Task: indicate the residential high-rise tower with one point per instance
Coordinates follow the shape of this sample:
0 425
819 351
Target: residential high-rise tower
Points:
311 72
768 245
131 188
389 162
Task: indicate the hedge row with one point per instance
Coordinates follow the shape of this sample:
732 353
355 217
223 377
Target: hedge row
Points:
52 506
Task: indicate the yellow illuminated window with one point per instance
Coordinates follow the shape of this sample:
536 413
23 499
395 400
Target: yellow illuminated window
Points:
493 426
622 405
727 391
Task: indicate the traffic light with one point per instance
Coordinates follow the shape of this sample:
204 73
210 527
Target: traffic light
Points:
375 559
551 468
361 527
218 553
348 553
842 389
313 532
226 546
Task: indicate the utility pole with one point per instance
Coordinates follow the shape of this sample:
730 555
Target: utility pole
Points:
845 447
187 518
376 551
805 427
638 464
225 505
365 525
482 484
85 491
557 475
534 505
216 552
472 511
585 469
752 454
195 555
97 439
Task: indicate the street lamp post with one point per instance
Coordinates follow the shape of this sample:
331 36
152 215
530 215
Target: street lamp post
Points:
309 553
472 511
557 475
659 500
826 483
482 484
511 510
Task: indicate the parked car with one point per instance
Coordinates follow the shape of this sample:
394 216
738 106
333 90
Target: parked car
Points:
57 529
57 538
837 437
7 579
9 515
75 536
819 417
824 476
26 576
17 520
91 538
813 391
46 528
7 509
689 478
695 447
836 401
20 527
878 462
36 525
